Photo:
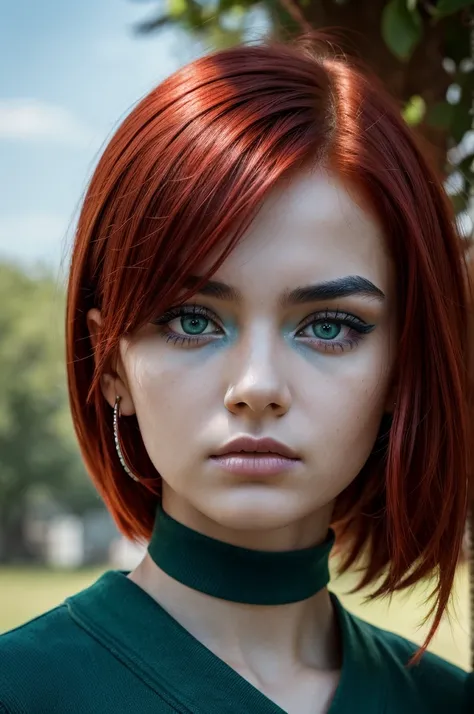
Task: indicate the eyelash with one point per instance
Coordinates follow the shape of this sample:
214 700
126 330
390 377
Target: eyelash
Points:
358 328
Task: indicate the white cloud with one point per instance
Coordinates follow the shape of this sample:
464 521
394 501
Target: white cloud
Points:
33 119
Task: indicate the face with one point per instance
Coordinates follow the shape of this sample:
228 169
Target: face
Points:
298 348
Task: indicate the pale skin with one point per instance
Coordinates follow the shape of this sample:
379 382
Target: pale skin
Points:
260 367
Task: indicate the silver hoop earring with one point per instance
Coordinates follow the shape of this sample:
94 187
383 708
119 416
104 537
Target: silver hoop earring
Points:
117 440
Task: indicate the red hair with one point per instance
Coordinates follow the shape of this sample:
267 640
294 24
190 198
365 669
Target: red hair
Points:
184 175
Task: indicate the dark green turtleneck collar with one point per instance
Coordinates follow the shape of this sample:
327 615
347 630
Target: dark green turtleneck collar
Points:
237 574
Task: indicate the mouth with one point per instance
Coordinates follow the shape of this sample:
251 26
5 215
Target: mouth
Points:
248 456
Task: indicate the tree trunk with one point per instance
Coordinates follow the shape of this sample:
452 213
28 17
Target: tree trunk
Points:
423 74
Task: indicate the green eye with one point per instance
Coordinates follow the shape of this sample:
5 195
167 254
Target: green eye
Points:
326 330
194 324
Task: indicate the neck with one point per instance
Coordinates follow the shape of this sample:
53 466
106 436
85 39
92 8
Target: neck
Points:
243 633
302 533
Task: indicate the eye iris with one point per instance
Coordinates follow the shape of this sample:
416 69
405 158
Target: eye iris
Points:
326 330
193 324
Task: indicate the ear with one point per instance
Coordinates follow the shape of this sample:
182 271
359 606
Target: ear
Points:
113 379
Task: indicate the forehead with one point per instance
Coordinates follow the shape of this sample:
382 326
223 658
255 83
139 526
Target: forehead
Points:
310 228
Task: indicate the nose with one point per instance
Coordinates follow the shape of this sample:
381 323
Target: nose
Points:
258 385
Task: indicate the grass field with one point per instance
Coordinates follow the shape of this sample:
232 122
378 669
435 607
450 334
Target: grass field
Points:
25 593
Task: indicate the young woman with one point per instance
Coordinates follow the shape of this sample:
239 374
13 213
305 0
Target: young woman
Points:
267 350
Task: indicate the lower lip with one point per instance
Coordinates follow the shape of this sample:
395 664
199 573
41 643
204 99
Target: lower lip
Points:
255 464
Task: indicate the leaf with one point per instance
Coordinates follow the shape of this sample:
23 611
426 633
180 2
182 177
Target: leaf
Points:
440 115
461 122
177 8
466 167
414 110
459 201
232 20
449 7
457 38
402 28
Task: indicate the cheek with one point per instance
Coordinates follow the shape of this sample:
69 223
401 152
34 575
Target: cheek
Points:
170 394
344 407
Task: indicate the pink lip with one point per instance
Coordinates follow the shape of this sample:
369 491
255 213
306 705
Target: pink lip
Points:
249 456
255 464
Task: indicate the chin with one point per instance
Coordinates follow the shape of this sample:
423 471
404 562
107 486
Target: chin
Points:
255 508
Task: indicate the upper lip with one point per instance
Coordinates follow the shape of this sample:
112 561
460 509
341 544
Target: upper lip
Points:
251 445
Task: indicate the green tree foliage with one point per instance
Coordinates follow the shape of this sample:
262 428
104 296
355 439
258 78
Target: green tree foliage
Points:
38 453
420 48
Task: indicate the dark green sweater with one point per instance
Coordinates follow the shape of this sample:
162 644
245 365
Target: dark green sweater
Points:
112 648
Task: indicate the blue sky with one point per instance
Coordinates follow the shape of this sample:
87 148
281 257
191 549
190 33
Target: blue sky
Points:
75 68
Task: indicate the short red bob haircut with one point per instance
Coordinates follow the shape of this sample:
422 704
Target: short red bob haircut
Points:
184 175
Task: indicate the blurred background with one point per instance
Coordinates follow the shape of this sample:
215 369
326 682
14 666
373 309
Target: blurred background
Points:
73 71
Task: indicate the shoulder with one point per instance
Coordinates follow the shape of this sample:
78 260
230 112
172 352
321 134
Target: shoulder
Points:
431 671
38 655
431 685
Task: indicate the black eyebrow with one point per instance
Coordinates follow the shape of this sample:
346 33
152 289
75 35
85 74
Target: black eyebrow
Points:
329 290
215 289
